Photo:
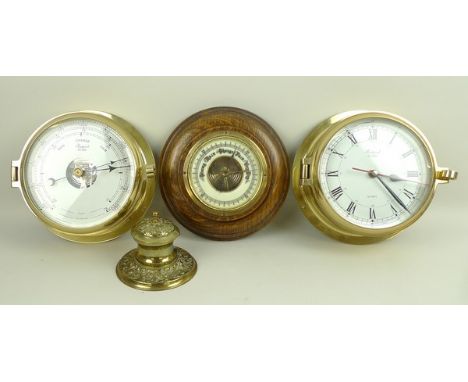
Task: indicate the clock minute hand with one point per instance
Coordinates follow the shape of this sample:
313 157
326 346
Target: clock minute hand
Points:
374 174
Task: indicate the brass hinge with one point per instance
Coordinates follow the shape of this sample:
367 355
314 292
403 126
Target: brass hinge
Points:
445 175
151 171
15 173
306 176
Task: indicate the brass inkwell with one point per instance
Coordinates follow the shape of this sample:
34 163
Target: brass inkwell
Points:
156 264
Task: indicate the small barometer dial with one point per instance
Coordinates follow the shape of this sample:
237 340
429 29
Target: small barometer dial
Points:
87 175
224 173
364 176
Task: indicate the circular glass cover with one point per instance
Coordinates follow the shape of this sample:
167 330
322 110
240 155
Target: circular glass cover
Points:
375 173
79 173
225 173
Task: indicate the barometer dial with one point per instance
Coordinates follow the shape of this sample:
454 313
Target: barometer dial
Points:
80 173
224 173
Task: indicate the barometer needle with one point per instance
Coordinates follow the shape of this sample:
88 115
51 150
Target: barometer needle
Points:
111 168
53 181
111 162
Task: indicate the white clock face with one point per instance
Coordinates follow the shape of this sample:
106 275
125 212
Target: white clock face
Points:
225 173
375 173
79 173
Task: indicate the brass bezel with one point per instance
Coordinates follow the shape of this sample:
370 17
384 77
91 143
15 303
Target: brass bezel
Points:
139 200
312 200
255 149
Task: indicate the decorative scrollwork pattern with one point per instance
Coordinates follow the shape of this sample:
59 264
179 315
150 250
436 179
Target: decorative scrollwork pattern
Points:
135 271
154 227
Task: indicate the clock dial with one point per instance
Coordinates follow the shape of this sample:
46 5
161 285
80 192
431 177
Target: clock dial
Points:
225 173
375 173
79 173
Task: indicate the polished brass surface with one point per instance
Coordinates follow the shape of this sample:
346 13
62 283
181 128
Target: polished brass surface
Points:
312 199
156 264
138 202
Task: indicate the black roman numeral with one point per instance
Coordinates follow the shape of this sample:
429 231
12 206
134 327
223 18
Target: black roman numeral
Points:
332 173
371 214
394 210
336 193
412 174
408 153
408 193
351 208
337 153
352 138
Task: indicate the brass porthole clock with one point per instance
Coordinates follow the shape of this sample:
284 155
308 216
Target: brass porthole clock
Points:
364 176
88 175
224 173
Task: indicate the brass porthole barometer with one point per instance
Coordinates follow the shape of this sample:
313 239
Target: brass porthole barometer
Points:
364 176
224 173
88 175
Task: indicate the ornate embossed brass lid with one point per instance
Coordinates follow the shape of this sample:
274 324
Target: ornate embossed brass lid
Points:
156 264
155 230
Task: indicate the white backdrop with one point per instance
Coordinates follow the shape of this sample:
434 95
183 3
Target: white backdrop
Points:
289 261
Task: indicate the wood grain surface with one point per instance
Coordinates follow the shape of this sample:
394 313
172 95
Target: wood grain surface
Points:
204 221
